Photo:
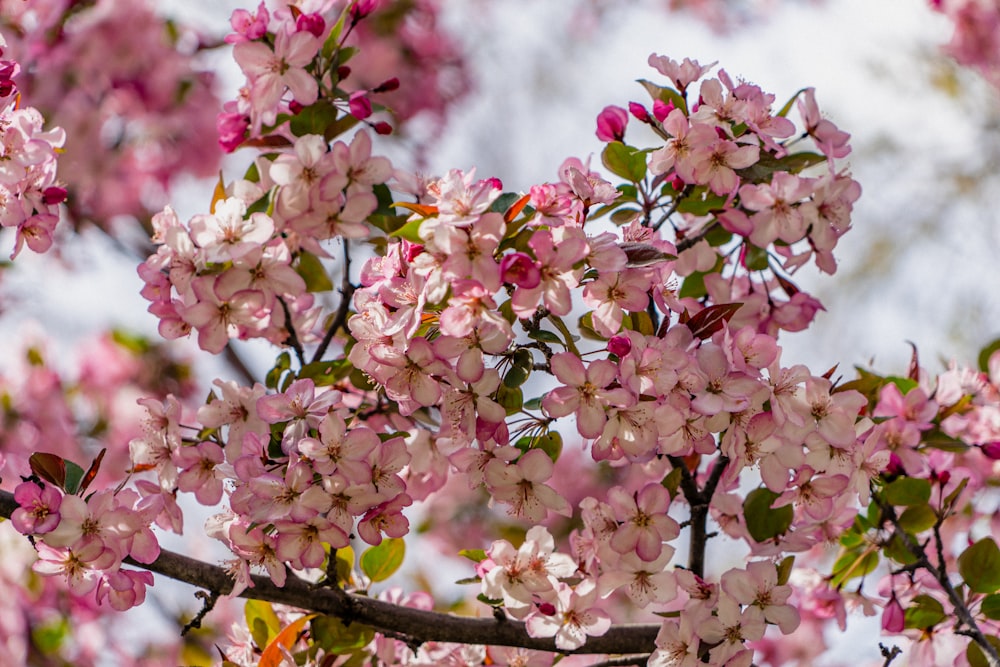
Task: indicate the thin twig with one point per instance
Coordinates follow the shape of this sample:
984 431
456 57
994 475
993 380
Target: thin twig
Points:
340 319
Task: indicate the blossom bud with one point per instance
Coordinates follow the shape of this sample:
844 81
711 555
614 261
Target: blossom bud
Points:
387 86
232 130
639 111
295 107
893 618
992 450
313 23
547 608
662 109
611 123
361 9
360 106
343 72
54 195
619 345
519 269
382 127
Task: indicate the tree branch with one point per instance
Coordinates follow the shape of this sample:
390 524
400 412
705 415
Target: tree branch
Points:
418 625
941 575
340 319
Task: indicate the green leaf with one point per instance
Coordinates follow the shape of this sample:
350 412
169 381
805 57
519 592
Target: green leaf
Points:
979 566
314 119
701 202
974 654
917 519
545 336
755 258
788 105
336 638
768 165
511 398
344 565
907 491
852 564
262 622
990 607
381 561
533 403
326 373
986 353
551 443
74 475
896 550
763 521
313 272
937 439
520 369
924 613
624 161
475 555
644 254
586 327
410 231
785 569
504 202
624 216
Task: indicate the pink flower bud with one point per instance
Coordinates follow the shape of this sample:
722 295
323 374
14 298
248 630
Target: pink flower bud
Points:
360 105
387 86
662 109
519 269
343 72
54 195
619 345
893 617
547 608
295 107
313 23
992 450
411 250
611 124
382 127
639 111
362 8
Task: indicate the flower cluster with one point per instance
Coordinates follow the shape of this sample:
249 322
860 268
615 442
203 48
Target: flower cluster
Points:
124 84
29 193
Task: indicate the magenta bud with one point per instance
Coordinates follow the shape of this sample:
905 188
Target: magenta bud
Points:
893 617
992 450
382 127
662 109
547 608
387 86
295 107
343 72
313 23
54 195
519 269
360 106
638 111
494 182
619 345
411 250
895 466
611 124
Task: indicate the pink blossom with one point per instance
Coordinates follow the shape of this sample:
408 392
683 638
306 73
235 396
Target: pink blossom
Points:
39 508
574 618
611 124
584 392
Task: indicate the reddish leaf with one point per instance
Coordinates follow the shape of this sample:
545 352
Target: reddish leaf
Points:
516 208
422 209
914 370
787 285
92 471
272 656
49 467
829 374
710 320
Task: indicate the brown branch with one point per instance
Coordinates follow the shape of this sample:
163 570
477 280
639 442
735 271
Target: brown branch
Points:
418 625
699 500
340 319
